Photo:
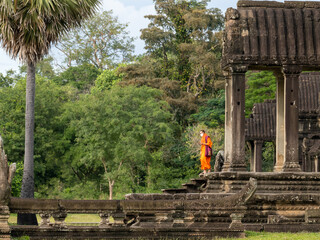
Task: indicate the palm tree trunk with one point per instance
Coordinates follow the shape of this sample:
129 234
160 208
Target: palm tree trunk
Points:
27 188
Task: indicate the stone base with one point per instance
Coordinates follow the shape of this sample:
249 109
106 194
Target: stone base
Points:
234 168
126 233
283 182
281 198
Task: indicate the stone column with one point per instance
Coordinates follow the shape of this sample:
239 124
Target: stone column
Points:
236 223
45 220
251 147
59 219
235 120
104 222
257 158
4 226
287 120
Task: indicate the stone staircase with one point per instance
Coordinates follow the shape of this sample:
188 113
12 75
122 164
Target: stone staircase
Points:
194 186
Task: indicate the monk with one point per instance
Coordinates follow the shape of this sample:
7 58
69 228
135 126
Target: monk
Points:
205 152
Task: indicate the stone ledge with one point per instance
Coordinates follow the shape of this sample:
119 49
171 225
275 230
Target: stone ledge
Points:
292 176
124 233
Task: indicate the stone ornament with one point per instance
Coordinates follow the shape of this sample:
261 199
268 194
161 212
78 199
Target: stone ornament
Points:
6 176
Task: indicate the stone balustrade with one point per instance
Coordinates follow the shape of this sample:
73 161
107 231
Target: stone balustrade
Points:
131 218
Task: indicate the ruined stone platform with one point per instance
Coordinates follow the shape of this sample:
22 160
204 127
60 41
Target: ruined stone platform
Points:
281 202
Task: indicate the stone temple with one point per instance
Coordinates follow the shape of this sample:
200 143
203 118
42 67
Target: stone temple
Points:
261 125
259 35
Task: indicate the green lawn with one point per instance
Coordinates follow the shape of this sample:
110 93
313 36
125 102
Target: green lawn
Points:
281 236
71 218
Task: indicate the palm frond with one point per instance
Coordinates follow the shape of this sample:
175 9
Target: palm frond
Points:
29 27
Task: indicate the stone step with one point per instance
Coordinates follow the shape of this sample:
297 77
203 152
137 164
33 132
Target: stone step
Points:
174 190
191 187
199 181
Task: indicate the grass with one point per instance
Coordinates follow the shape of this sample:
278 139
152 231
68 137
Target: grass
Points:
71 218
280 236
267 236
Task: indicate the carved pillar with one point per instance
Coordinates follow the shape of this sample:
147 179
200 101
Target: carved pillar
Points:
235 120
104 222
4 226
287 120
279 122
59 219
236 223
257 158
316 164
45 220
251 147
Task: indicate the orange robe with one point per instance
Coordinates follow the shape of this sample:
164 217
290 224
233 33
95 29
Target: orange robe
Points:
205 161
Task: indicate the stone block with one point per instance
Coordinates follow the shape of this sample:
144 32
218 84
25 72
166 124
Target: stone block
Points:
312 216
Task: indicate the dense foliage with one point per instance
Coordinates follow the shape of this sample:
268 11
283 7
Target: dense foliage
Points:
108 124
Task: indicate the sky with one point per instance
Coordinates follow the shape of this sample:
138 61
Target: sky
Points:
128 11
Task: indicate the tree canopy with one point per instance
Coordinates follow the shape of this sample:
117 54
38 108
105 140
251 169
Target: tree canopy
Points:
108 123
102 41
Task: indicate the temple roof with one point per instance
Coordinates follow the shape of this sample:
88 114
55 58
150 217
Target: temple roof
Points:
268 33
262 123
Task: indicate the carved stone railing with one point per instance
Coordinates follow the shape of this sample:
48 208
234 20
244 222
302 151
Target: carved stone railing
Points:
132 218
182 216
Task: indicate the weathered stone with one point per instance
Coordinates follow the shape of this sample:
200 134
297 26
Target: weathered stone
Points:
6 176
118 219
235 120
4 226
274 219
236 221
312 216
45 220
104 222
59 219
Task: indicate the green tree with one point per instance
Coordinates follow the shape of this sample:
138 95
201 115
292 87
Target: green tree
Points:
107 79
212 113
81 77
184 37
117 131
261 86
44 68
27 30
50 143
7 80
145 72
101 41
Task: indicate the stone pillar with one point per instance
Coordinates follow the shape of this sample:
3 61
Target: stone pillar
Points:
257 158
236 223
45 220
4 226
287 155
104 222
59 219
279 122
235 120
251 147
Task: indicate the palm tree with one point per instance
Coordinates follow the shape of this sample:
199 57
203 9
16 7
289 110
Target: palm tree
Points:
27 30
